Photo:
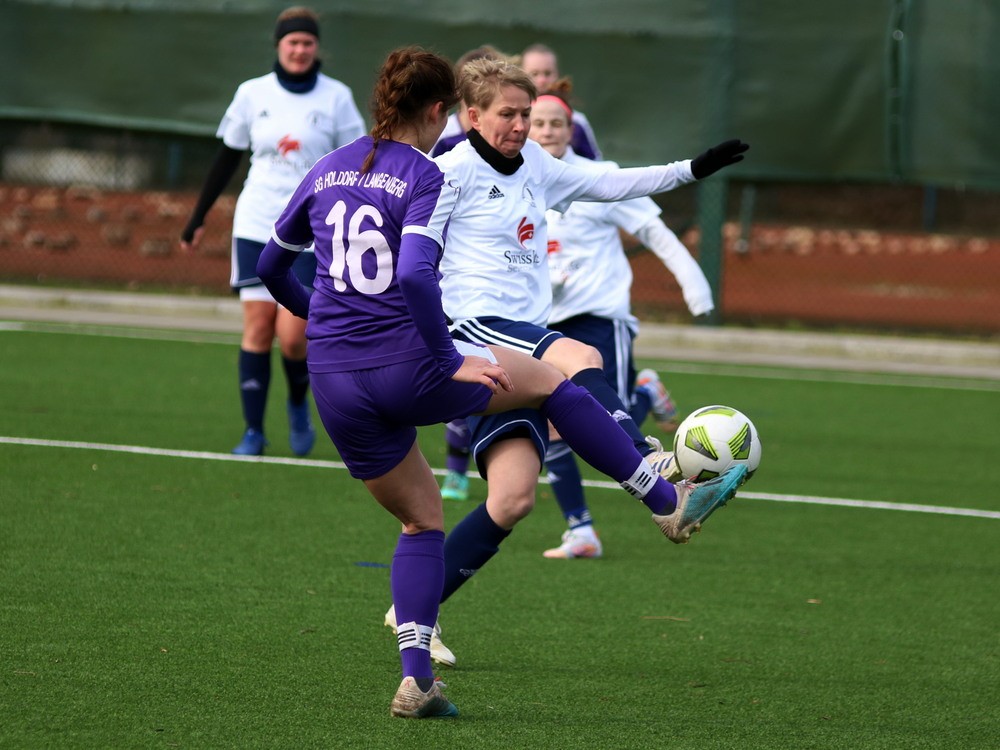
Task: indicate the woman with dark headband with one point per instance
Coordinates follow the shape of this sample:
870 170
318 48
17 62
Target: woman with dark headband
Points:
286 119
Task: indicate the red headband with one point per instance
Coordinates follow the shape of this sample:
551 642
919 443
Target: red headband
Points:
559 101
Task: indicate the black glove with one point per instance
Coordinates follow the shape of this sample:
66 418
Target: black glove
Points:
716 158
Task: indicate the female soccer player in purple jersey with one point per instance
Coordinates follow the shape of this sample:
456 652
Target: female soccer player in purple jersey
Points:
496 292
382 360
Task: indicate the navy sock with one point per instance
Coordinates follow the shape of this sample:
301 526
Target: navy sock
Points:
567 484
297 374
595 381
469 546
642 404
255 379
456 435
590 431
416 579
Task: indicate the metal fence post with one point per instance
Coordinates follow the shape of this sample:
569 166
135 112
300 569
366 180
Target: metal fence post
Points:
711 215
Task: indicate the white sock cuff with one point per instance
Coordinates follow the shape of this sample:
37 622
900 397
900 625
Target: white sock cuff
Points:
642 480
412 635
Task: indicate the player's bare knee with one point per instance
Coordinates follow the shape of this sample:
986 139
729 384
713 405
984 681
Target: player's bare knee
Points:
591 357
507 509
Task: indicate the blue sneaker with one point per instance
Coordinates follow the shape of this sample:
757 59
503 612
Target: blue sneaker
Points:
301 434
252 444
696 502
455 487
410 702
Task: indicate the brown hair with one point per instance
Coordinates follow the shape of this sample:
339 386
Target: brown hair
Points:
562 90
486 50
411 78
296 18
482 79
542 49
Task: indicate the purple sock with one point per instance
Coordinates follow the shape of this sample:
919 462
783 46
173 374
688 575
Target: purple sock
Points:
456 436
596 382
594 436
416 579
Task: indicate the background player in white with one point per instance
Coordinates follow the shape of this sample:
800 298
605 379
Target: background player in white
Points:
383 360
496 291
287 120
540 62
591 302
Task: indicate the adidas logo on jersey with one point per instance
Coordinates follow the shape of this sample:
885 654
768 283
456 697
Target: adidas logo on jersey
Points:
495 193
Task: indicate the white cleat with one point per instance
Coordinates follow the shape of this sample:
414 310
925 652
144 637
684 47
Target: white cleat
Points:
663 408
410 702
439 652
576 543
663 462
696 502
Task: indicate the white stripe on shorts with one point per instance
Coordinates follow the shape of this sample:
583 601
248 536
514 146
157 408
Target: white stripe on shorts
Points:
475 330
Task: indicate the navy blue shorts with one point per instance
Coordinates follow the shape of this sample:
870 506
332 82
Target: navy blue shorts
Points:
245 255
613 339
492 428
371 414
526 338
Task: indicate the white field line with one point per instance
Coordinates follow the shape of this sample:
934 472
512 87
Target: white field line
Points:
277 460
818 375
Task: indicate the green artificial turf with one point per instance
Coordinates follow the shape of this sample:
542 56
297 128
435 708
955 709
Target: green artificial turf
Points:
190 601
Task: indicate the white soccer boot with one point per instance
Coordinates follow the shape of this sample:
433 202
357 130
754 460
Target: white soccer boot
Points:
576 543
410 702
663 462
439 652
663 408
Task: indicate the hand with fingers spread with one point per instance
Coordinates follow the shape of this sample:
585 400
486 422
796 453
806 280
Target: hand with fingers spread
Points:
717 157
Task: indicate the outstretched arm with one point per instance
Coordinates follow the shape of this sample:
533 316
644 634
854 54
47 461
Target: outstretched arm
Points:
622 184
668 248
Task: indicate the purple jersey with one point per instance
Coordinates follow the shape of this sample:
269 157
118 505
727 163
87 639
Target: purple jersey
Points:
358 317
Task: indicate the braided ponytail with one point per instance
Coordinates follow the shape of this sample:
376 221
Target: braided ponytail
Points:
411 78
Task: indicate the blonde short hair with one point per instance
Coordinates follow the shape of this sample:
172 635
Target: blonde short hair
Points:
481 80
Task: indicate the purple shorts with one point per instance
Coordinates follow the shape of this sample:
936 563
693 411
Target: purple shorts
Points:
371 415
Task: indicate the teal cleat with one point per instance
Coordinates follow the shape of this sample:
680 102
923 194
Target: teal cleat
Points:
455 487
696 502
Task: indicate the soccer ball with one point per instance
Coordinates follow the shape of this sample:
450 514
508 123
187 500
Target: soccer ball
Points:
714 438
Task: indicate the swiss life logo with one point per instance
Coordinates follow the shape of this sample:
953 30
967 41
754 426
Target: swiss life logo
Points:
525 231
287 144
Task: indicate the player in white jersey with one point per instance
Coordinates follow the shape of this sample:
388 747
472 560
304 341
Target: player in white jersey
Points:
458 122
591 282
541 63
286 120
496 290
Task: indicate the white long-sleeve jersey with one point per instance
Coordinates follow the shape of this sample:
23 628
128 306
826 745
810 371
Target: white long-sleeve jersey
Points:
589 270
495 260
